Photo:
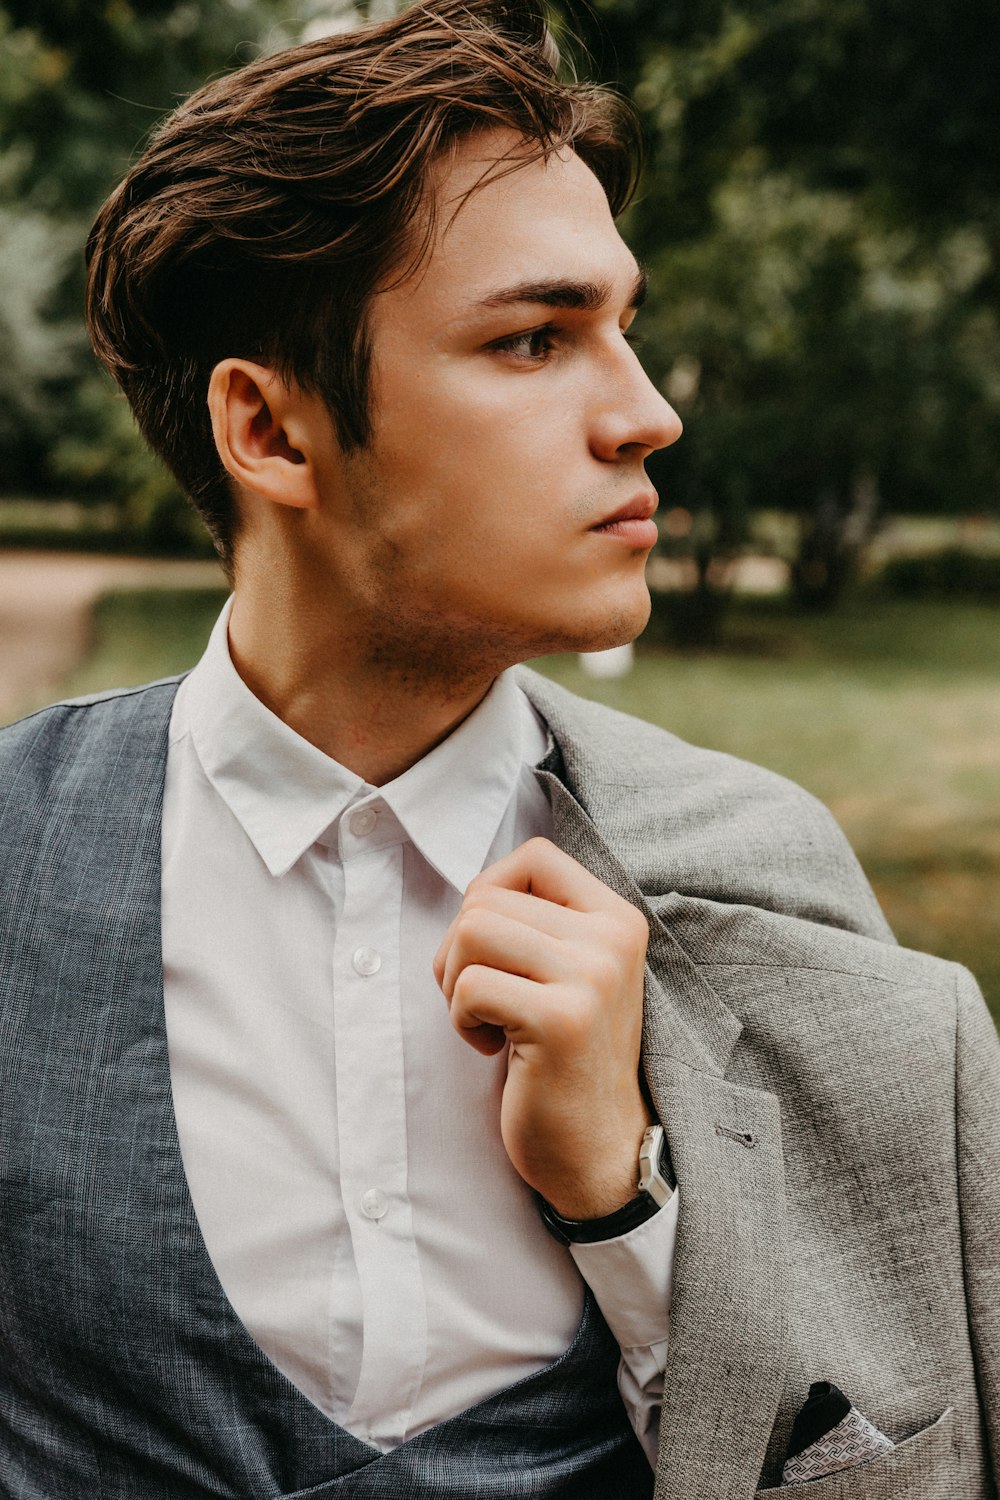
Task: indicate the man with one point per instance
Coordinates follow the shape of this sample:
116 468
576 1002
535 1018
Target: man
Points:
419 1082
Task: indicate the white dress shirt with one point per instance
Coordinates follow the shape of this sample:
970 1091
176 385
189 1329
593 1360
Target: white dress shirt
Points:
341 1141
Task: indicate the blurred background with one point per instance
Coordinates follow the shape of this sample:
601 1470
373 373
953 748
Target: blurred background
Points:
821 217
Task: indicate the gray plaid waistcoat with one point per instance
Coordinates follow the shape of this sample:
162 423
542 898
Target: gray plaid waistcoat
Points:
124 1371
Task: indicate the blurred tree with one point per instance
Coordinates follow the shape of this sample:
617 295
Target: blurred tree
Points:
81 85
841 370
821 209
38 353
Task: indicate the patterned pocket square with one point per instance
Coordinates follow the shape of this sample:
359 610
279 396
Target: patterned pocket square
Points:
829 1434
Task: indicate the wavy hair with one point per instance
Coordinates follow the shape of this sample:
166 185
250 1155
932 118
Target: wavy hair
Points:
268 208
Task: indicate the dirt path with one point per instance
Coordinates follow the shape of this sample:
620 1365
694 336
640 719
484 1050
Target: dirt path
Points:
45 604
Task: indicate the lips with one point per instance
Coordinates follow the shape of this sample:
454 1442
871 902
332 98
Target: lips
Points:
640 508
633 522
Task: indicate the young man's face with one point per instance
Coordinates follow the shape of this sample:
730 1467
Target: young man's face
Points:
511 422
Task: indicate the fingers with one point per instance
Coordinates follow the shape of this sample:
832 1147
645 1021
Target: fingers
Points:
486 1005
538 936
546 916
529 912
480 935
540 868
489 1007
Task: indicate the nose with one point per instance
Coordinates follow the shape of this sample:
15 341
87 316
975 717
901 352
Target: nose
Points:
633 419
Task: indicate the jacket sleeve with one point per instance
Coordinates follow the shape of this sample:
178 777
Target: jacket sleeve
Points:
978 1147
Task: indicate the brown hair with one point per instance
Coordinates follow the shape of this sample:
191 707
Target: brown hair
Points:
268 208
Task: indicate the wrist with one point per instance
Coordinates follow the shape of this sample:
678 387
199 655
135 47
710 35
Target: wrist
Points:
648 1195
606 1178
596 1201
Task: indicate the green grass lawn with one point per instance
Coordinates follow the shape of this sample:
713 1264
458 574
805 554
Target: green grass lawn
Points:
139 635
889 711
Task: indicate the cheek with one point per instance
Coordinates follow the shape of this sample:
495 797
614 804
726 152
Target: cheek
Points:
479 425
482 473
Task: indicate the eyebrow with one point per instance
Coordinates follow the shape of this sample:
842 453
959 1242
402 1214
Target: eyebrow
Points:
579 296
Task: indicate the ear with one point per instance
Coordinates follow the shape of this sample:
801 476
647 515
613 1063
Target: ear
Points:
262 429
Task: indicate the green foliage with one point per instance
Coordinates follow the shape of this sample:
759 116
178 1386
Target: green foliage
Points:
38 349
892 99
822 216
821 213
954 573
824 364
81 85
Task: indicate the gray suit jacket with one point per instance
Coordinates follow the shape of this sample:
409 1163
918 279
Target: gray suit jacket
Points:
832 1104
831 1101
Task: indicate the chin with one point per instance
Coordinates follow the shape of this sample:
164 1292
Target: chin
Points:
616 628
621 623
585 619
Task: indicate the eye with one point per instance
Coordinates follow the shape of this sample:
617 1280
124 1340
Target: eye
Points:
534 346
631 334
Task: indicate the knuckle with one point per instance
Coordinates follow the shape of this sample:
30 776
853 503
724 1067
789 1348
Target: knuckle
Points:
473 922
460 995
639 926
475 891
467 921
628 928
467 985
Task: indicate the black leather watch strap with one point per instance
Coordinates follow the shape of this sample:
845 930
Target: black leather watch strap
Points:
591 1231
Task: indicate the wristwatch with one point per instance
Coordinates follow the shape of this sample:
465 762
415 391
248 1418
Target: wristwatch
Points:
655 1188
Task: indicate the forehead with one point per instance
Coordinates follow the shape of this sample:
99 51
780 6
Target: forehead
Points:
547 219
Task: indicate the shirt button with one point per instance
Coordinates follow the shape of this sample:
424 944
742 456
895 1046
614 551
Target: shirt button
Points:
366 961
363 821
374 1204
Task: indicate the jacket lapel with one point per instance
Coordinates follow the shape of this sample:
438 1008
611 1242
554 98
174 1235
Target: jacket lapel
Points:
728 1339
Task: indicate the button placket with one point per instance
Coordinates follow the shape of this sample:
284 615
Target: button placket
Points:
371 1109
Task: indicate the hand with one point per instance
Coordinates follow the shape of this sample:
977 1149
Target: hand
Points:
544 956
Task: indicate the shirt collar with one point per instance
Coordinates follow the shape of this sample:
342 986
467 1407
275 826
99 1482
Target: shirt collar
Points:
452 802
285 793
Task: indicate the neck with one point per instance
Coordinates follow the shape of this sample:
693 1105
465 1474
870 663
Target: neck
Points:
375 710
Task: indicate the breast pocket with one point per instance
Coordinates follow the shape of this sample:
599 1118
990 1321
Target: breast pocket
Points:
921 1467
